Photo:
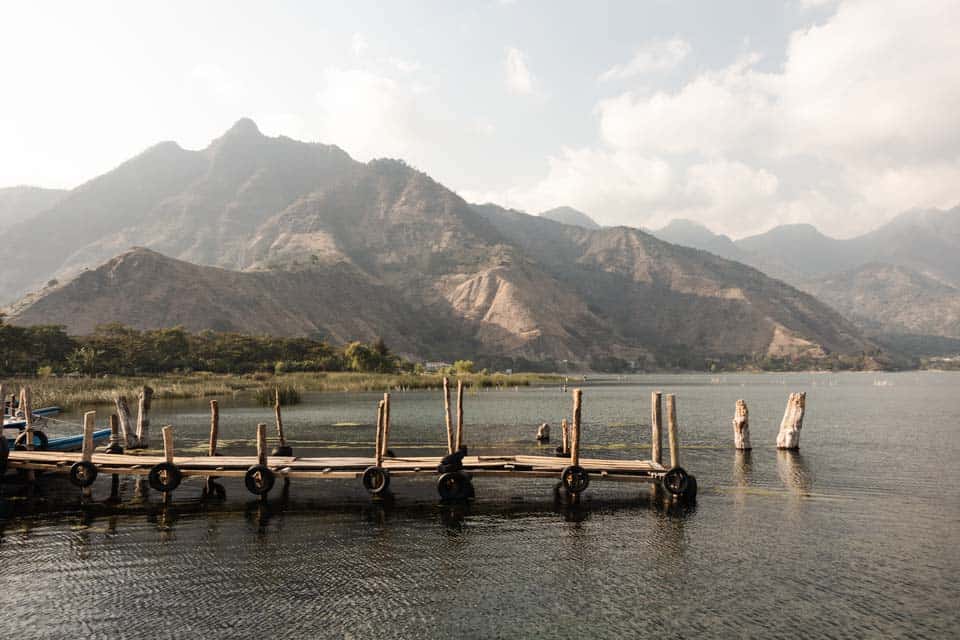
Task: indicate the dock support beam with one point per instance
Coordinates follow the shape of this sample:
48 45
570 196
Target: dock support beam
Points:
672 430
123 412
115 445
446 413
565 442
385 438
656 427
86 452
378 438
575 435
458 441
143 417
282 449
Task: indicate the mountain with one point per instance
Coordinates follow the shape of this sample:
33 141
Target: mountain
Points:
688 233
19 204
571 216
889 299
300 239
200 206
926 241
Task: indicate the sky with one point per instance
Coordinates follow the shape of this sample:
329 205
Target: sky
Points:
741 115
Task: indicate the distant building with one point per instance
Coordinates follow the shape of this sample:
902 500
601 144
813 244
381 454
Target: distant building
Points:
436 366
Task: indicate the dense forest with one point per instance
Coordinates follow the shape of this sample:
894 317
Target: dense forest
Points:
116 349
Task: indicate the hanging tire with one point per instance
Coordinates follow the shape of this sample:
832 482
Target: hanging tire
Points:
575 479
83 474
676 481
454 486
376 479
259 479
40 441
165 477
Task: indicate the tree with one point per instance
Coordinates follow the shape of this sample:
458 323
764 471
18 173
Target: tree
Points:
463 366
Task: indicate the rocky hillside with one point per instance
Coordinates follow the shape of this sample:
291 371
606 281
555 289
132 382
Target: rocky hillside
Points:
890 299
319 244
20 204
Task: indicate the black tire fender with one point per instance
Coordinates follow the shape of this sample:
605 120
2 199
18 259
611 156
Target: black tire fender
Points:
575 479
676 481
263 485
376 479
172 473
83 473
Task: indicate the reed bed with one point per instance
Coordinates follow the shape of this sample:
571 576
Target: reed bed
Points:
77 391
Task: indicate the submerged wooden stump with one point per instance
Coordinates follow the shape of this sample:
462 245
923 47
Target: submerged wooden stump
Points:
792 423
543 433
741 427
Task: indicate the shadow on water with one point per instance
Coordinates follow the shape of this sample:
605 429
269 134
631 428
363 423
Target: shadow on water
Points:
793 471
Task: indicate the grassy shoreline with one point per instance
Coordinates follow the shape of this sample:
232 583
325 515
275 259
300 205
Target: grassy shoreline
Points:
71 392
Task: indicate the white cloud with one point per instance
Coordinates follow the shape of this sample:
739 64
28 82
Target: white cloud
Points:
359 44
404 66
859 124
653 57
519 78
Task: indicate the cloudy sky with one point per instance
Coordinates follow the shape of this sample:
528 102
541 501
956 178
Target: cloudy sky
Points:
741 115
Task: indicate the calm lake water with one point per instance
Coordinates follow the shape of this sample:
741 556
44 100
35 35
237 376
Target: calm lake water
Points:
856 536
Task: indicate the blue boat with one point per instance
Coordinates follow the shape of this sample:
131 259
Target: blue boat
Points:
66 443
11 423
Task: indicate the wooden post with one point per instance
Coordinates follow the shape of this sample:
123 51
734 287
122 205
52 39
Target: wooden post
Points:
385 439
143 419
672 430
789 435
741 427
656 427
168 443
378 438
3 405
123 412
564 427
446 413
458 441
214 427
575 435
116 443
276 411
89 425
26 405
262 444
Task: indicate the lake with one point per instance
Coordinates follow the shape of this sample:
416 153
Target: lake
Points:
857 535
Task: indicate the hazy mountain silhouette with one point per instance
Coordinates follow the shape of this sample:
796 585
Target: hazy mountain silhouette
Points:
354 250
571 216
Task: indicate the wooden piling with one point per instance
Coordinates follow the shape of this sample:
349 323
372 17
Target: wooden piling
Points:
458 441
575 435
168 443
123 413
564 427
792 423
214 427
378 437
89 426
3 405
26 405
262 444
279 417
656 427
385 439
446 413
741 427
672 430
143 417
116 443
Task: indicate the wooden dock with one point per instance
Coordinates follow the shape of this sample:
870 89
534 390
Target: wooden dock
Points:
454 472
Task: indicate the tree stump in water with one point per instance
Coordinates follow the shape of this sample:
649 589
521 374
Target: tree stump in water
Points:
543 433
789 436
741 427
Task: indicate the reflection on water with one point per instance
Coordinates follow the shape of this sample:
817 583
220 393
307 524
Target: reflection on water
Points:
323 559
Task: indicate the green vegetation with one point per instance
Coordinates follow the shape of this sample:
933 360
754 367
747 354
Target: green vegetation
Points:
118 350
267 396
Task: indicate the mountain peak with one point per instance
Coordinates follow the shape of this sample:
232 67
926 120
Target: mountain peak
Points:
571 216
244 127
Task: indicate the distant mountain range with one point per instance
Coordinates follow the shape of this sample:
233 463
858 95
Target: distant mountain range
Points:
571 216
305 240
19 204
903 277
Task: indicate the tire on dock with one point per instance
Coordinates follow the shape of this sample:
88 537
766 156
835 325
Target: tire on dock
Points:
83 474
574 479
454 485
165 477
20 443
376 480
679 483
259 479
